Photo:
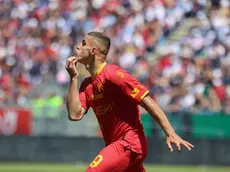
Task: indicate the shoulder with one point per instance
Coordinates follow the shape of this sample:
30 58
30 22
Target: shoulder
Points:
111 67
113 70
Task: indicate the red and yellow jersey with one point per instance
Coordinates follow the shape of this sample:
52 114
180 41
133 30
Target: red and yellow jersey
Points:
114 96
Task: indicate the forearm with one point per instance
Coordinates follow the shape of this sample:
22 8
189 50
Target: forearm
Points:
155 111
73 103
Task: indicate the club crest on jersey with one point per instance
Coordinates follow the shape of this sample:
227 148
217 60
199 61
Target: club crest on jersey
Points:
99 86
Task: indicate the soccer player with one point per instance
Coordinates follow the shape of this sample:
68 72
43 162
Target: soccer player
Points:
114 96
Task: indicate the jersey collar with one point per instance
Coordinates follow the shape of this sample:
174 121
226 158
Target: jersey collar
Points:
100 69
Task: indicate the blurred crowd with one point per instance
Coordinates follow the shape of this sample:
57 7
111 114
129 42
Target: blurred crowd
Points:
188 73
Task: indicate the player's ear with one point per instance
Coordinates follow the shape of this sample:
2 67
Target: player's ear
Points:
93 51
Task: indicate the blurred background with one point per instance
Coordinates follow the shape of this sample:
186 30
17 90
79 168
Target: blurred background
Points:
179 49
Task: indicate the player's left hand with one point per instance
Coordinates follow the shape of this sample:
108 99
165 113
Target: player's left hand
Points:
178 141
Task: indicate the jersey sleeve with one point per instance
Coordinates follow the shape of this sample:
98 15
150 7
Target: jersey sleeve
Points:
82 95
129 85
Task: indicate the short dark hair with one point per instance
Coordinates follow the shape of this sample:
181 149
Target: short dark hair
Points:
102 39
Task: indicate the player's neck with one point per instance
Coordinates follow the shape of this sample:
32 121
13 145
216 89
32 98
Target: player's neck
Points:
93 67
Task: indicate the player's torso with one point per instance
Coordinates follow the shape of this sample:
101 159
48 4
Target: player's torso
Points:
115 112
103 97
97 95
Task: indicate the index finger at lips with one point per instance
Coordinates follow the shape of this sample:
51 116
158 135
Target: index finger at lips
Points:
74 60
69 60
73 63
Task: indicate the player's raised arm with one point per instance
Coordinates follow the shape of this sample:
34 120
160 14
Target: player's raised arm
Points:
73 103
171 137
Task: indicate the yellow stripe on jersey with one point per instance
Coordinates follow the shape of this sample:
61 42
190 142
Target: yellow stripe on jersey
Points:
100 68
144 94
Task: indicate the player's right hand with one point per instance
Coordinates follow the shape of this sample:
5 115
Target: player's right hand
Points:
71 66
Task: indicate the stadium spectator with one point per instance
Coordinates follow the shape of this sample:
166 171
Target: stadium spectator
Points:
179 49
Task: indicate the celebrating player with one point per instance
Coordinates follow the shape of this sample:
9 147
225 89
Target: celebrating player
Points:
114 96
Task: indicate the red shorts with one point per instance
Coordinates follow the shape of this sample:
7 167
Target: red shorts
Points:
117 158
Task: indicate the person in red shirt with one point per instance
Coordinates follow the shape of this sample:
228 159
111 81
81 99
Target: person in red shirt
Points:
114 96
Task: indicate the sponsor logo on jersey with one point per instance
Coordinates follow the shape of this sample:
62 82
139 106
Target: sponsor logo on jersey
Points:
103 109
95 97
